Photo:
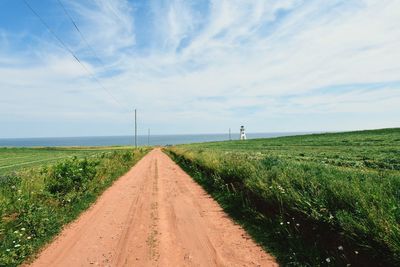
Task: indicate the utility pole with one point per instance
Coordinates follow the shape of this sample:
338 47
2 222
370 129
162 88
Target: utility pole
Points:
148 137
230 137
135 130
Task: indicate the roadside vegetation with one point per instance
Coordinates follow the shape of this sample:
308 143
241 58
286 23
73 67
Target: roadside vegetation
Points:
35 203
312 200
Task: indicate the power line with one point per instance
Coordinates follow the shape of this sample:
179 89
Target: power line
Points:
72 53
112 11
80 33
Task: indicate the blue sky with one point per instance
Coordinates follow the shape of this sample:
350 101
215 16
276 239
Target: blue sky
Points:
199 66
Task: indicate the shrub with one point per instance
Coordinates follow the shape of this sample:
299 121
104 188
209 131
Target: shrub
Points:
71 175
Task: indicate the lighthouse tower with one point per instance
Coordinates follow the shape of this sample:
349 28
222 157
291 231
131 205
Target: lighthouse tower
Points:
242 133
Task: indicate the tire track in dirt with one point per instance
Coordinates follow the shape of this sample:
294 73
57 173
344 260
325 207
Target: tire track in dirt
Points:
152 239
155 215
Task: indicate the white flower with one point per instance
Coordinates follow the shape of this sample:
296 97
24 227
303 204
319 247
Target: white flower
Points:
8 250
288 222
23 229
281 223
297 224
16 232
328 260
356 252
340 248
17 245
281 189
29 237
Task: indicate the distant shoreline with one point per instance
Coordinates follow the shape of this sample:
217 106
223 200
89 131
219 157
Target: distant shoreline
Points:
167 139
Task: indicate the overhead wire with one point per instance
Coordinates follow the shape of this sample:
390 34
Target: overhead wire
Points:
65 46
80 33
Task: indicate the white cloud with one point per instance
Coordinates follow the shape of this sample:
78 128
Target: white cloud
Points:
107 25
265 59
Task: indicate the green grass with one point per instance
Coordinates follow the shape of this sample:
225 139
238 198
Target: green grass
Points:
374 149
322 199
36 201
12 159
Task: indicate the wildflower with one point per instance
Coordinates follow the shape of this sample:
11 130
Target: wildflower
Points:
340 248
20 234
281 223
330 216
23 229
281 189
297 224
29 237
328 260
356 252
288 222
17 245
8 250
16 232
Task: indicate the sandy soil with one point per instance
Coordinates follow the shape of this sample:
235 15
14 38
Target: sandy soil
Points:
155 215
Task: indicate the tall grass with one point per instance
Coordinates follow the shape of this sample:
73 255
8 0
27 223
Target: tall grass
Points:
36 203
307 213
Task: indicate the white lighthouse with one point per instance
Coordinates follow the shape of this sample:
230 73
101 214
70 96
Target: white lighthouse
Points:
242 133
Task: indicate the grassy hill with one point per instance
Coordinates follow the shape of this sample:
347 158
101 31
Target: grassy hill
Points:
320 199
376 149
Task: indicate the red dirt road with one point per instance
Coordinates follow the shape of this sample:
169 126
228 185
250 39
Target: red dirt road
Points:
155 215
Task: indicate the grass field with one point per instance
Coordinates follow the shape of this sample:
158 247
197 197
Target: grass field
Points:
376 149
42 189
323 199
12 159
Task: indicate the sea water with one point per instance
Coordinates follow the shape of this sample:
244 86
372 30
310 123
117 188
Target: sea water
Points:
129 140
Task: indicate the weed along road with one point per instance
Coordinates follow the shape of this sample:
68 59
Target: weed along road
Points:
155 215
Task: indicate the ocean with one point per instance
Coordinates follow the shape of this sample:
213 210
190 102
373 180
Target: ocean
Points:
154 140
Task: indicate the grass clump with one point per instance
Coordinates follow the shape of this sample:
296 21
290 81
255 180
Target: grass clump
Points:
35 203
307 212
70 176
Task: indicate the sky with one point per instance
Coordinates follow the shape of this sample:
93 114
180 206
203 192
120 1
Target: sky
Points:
196 66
